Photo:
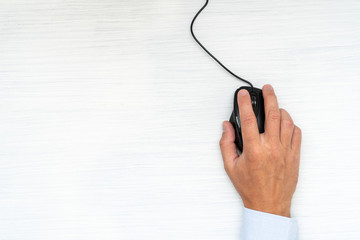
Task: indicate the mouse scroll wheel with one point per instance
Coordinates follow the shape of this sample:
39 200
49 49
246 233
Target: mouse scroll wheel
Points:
253 100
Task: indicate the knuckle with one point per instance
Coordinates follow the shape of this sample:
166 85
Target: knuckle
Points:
222 142
274 150
249 140
248 119
297 130
255 152
296 180
288 123
226 168
284 112
274 114
275 154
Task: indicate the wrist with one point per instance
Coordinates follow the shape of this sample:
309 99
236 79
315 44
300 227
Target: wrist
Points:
277 209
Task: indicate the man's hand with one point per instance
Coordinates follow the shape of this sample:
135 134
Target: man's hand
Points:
266 173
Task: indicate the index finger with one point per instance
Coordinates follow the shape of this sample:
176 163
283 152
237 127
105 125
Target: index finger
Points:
249 127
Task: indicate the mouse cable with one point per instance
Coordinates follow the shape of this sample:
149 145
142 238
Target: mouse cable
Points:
202 46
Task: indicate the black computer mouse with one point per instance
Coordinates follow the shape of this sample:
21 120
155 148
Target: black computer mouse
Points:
257 101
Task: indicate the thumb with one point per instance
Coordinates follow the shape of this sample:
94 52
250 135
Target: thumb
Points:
227 145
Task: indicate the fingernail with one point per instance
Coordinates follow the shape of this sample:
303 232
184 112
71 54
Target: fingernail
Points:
224 127
243 92
268 87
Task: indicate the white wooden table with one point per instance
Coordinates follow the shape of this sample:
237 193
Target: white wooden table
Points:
110 114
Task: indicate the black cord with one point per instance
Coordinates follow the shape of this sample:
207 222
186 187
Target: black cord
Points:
202 46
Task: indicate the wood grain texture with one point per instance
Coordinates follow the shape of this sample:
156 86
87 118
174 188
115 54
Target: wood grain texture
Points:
110 114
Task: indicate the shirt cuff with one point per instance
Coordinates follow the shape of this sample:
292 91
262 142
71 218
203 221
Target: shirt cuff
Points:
259 225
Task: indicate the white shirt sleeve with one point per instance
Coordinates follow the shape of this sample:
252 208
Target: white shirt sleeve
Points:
259 225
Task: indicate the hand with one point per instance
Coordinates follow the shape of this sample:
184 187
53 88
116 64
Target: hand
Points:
266 173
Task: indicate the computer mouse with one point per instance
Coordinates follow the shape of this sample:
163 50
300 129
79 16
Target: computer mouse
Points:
257 101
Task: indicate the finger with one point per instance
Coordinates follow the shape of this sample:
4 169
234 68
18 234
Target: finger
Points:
296 140
249 127
272 113
227 145
286 128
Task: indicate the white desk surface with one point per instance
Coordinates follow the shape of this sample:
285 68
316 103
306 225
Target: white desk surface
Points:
110 114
